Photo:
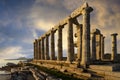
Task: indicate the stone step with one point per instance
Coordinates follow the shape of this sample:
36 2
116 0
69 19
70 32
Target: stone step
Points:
113 67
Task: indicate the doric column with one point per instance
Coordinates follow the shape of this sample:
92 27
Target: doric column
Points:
43 50
79 42
93 53
114 47
52 45
60 54
47 47
86 36
34 45
70 55
102 47
39 48
36 48
98 46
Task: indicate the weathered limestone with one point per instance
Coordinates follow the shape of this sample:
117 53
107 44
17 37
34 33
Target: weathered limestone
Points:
39 41
102 47
34 50
98 46
47 47
52 57
70 55
60 53
86 35
43 50
79 42
114 47
93 53
37 49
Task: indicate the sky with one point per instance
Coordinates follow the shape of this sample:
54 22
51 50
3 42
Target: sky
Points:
22 21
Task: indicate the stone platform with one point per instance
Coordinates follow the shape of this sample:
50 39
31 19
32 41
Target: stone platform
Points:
106 71
111 72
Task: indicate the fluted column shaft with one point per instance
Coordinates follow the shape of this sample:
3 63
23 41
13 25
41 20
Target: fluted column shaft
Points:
86 36
102 47
39 48
34 50
93 53
70 55
60 53
79 42
114 47
98 47
52 46
47 48
43 50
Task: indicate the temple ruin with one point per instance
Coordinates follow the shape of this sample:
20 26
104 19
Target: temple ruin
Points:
90 44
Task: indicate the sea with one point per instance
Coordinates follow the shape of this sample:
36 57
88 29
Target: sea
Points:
3 74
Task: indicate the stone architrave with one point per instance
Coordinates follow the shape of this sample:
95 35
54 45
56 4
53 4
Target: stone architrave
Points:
79 42
70 55
52 57
85 61
60 53
47 47
114 47
43 49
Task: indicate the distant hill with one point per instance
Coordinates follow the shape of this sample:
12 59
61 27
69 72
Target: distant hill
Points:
22 58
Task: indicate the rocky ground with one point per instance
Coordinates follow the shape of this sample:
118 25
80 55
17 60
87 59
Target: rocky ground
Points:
22 75
16 72
5 76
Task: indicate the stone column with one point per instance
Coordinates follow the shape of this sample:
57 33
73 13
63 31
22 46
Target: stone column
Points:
39 48
70 55
34 45
43 50
102 47
86 36
98 46
47 47
93 53
114 47
60 54
79 42
52 45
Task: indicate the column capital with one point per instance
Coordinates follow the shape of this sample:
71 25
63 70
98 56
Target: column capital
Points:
53 30
114 34
40 38
79 26
69 19
86 8
47 35
95 31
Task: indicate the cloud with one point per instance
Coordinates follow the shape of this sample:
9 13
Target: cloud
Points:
22 22
11 52
103 17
